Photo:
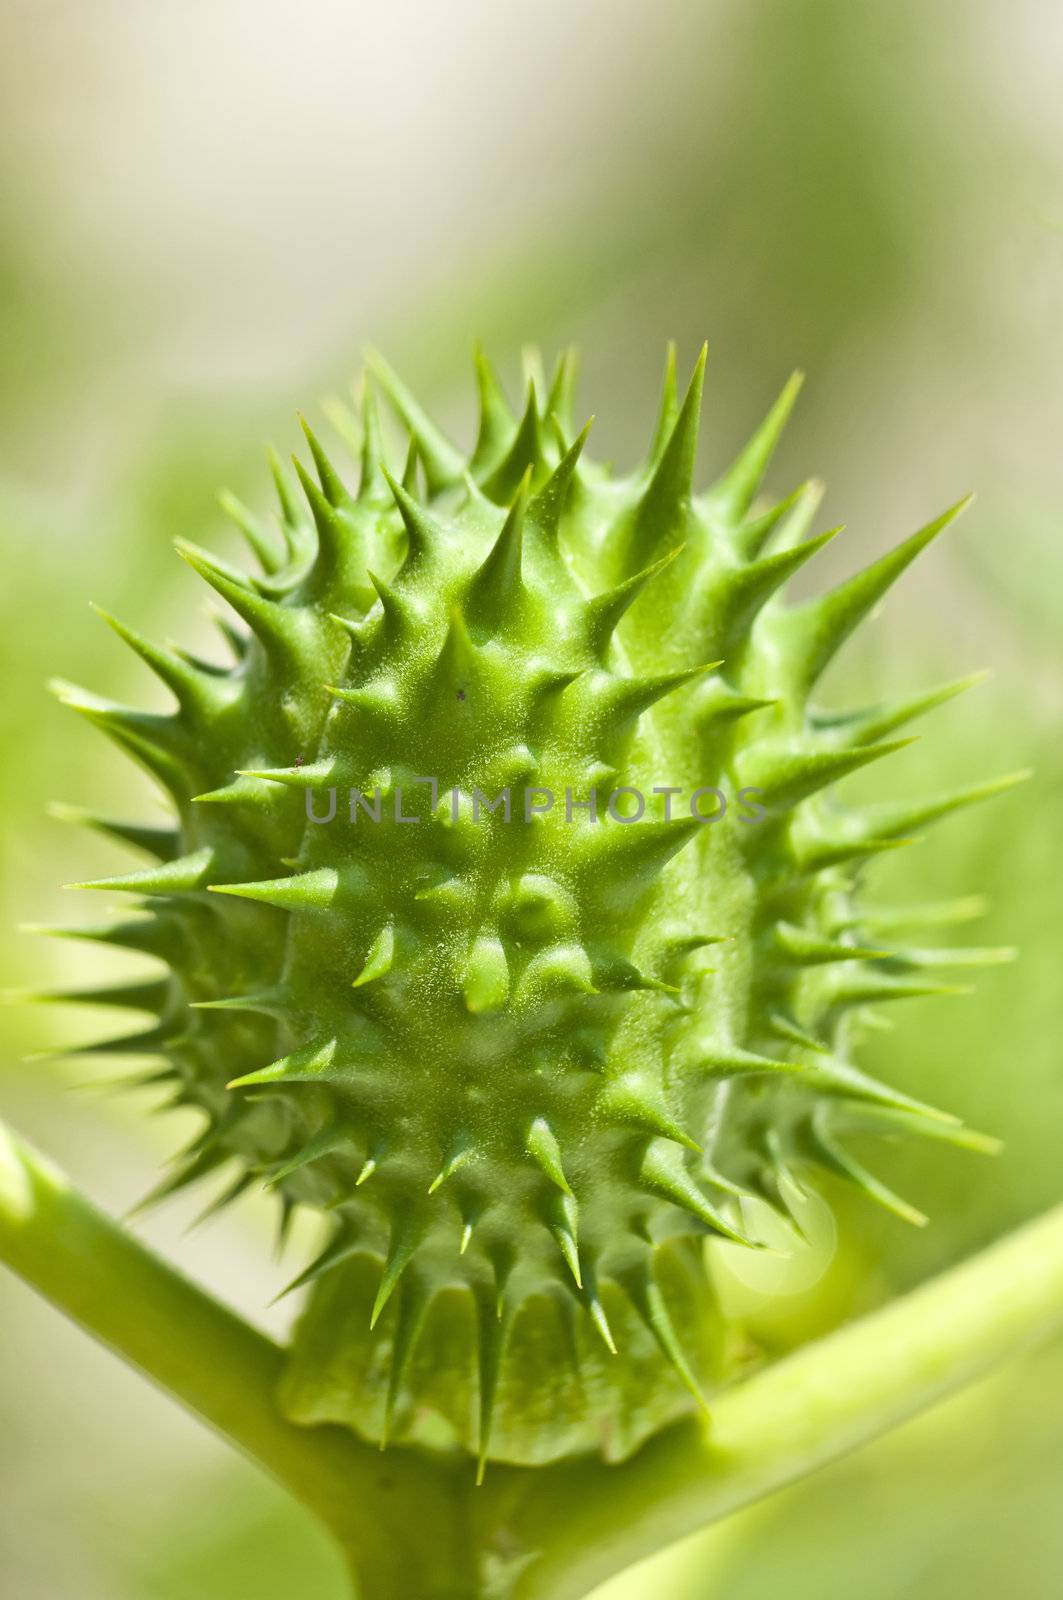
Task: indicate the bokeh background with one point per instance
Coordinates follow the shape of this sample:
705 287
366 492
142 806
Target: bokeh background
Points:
208 212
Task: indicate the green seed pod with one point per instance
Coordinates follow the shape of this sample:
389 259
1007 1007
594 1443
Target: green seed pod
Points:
506 918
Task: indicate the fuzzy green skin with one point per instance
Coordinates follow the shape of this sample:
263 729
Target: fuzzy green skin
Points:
527 1067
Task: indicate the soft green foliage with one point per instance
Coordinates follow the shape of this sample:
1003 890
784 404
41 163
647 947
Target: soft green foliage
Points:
527 1066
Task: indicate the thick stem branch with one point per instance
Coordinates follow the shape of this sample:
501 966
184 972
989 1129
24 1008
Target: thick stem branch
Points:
223 1370
587 1521
414 1529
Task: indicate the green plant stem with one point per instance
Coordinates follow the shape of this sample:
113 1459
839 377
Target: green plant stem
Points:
414 1529
226 1373
588 1522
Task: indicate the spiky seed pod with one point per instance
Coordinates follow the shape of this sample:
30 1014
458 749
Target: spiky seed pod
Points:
524 1056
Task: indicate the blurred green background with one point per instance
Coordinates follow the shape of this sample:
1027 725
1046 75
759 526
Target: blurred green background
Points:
208 212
